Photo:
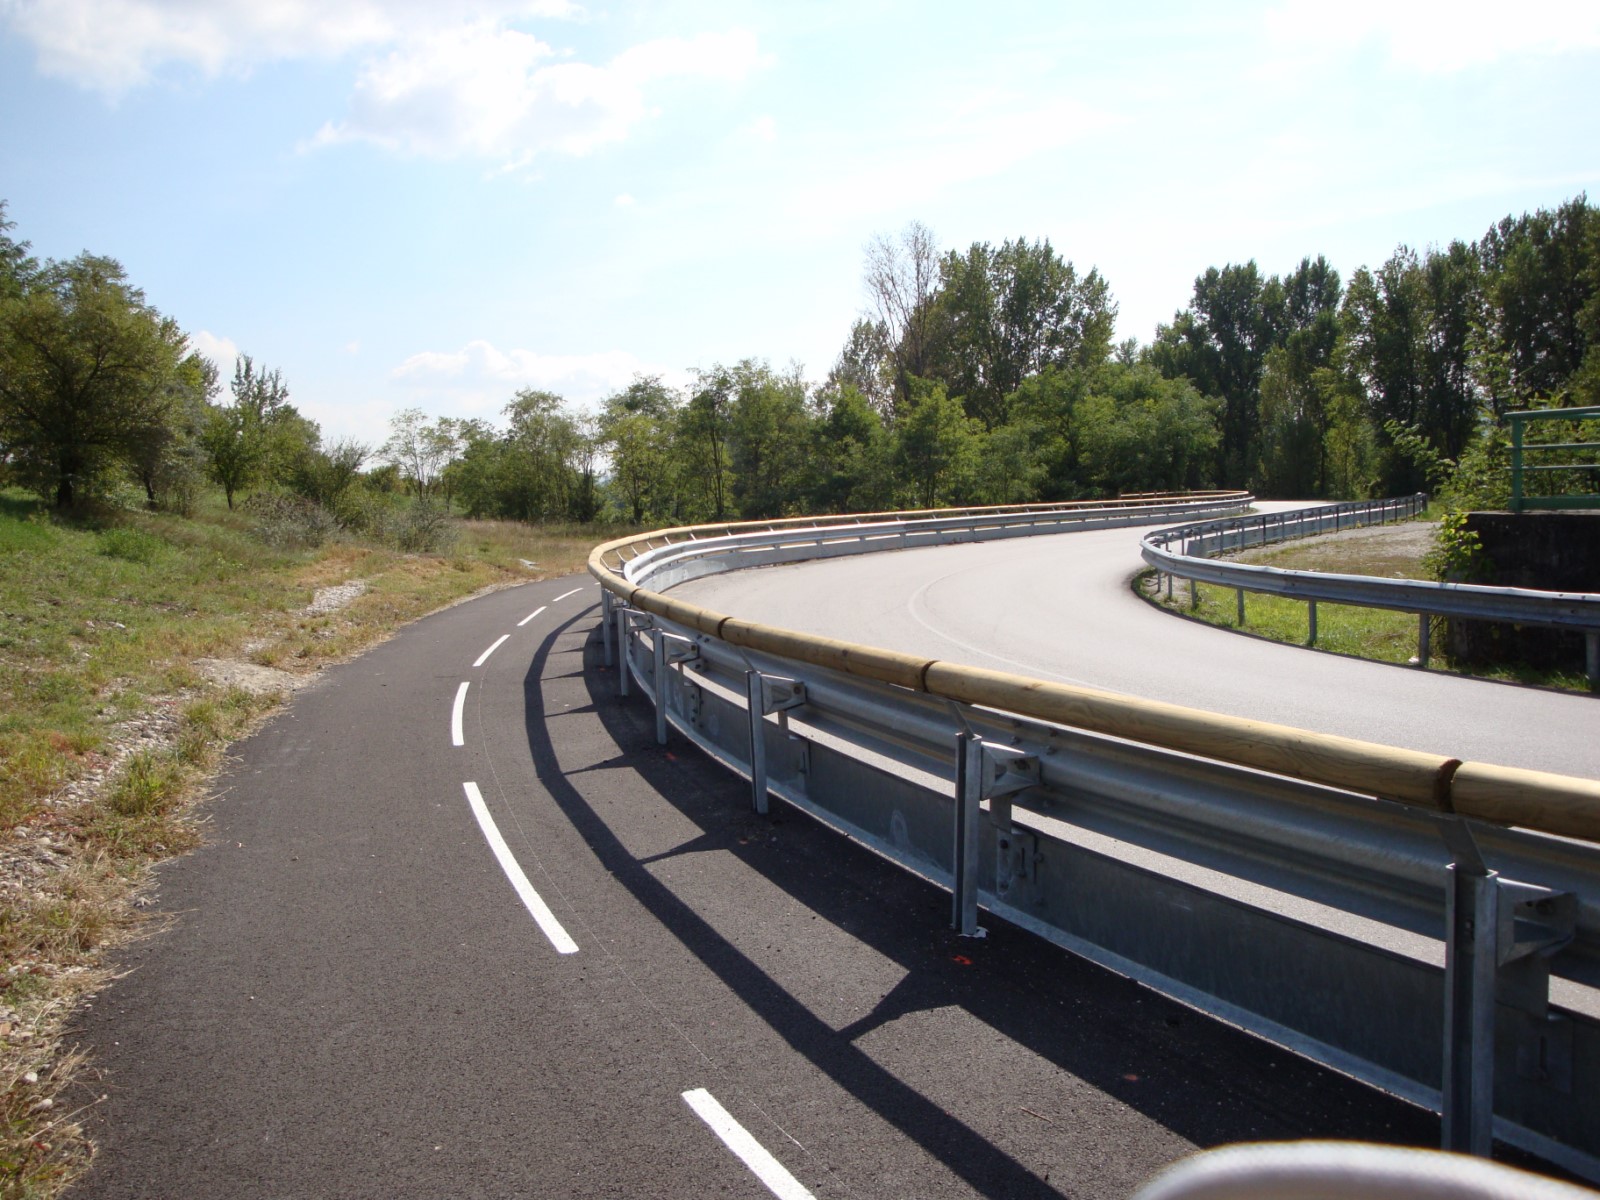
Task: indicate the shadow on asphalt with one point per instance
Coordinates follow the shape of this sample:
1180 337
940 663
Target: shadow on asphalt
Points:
1206 1082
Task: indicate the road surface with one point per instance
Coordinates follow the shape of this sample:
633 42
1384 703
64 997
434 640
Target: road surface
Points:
557 960
1060 608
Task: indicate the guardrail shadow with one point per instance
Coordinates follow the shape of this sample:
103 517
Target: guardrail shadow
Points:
1204 1081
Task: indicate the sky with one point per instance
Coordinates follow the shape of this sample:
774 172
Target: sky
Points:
434 203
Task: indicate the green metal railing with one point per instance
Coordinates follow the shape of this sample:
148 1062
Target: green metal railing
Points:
1520 501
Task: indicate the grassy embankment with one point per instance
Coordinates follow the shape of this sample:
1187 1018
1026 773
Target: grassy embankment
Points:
109 733
1389 551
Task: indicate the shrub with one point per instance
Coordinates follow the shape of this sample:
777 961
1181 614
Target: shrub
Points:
279 519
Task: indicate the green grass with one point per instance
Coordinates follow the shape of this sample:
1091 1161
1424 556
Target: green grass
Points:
1390 551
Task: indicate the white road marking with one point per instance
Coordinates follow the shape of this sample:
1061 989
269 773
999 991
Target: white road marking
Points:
484 657
564 595
532 615
753 1154
537 908
456 738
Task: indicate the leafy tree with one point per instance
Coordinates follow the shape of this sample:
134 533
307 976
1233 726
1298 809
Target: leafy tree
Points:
866 363
171 467
1138 431
421 449
848 467
259 437
768 436
703 432
635 428
17 267
87 372
1541 279
936 446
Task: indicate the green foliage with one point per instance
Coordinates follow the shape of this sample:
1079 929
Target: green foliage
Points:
131 545
937 446
89 375
1457 553
288 521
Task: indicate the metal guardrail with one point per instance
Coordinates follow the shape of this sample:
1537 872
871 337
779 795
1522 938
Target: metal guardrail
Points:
1361 904
1185 552
1521 448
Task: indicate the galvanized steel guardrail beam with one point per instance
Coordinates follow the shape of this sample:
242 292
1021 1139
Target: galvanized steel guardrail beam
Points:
1186 551
1294 883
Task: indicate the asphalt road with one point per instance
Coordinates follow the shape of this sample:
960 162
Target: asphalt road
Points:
1060 608
651 990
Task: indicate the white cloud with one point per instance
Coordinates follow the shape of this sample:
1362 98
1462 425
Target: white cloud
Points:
1436 36
114 45
480 378
484 90
220 350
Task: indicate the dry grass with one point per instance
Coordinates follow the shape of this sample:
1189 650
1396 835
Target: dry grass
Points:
109 735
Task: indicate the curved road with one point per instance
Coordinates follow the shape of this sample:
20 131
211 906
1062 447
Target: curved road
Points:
463 929
1059 608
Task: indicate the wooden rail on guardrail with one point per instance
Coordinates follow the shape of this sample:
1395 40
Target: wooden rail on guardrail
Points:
1557 804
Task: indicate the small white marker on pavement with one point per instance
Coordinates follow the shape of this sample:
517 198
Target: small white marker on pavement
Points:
484 657
456 736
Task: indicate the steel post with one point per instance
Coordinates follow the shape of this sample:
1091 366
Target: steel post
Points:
1423 637
969 795
658 646
755 697
1311 622
605 627
1471 918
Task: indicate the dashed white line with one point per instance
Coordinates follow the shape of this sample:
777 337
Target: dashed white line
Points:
532 615
456 736
484 657
537 908
564 595
751 1152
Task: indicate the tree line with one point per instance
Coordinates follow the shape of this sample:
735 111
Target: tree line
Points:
987 375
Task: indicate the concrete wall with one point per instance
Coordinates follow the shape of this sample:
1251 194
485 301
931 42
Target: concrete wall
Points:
1548 551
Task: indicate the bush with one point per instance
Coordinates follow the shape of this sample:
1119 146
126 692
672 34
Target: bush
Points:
279 519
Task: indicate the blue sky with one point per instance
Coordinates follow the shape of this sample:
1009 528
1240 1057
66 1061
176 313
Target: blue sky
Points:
433 203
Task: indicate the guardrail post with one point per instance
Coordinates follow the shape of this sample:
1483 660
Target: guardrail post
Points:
969 794
627 620
766 694
667 648
1311 622
1592 640
605 626
1241 606
1499 937
984 771
1424 632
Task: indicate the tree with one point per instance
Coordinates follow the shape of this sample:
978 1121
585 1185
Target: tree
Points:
87 372
848 467
635 428
701 442
172 466
17 267
259 436
1138 431
1005 314
422 450
901 278
768 436
936 445
866 363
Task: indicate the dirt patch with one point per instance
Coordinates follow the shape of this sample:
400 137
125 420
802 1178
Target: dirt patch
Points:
249 677
1388 551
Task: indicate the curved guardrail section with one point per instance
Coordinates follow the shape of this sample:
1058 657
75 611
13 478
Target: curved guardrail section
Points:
1186 552
1332 895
